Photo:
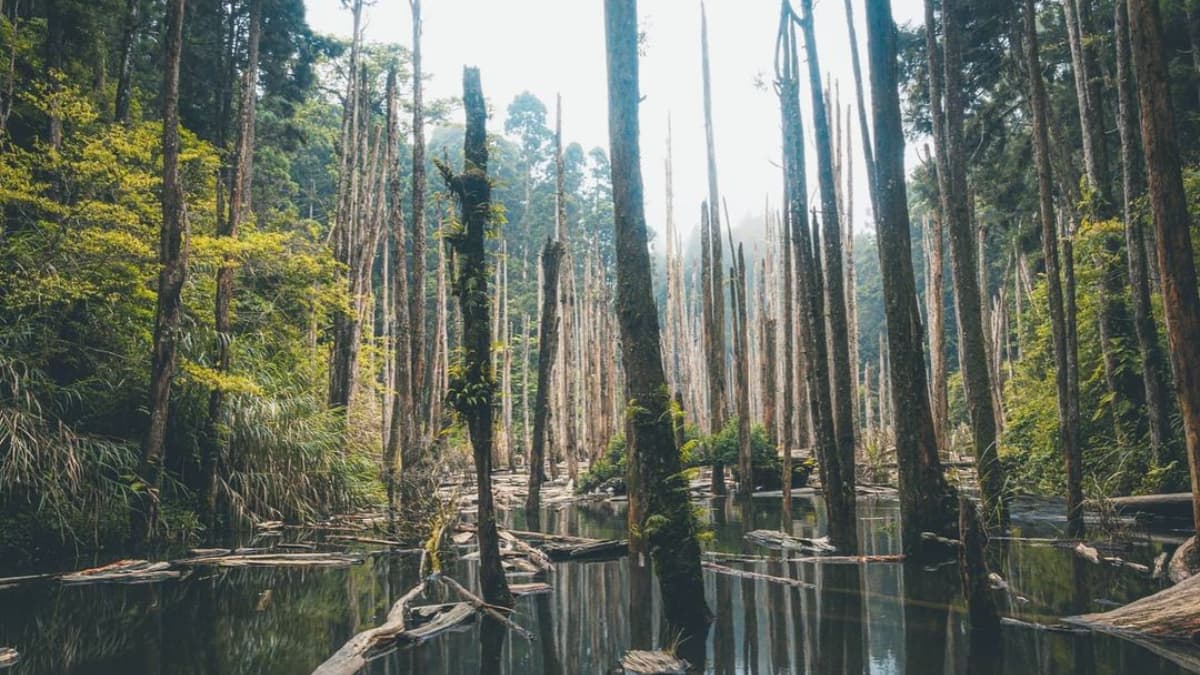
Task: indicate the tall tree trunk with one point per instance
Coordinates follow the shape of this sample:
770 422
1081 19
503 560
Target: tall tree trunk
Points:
839 492
656 490
416 310
1115 324
239 206
345 324
568 375
965 268
402 424
741 341
787 439
1154 370
129 35
1172 224
1068 432
718 398
552 254
474 399
935 309
863 125
172 259
927 502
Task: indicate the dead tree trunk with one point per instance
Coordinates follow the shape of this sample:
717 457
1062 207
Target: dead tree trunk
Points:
129 36
422 382
547 346
1172 224
568 376
1068 432
1154 370
935 309
842 406
927 502
655 489
172 259
741 342
474 392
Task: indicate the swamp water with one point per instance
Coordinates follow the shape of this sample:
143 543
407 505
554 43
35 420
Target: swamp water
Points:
888 618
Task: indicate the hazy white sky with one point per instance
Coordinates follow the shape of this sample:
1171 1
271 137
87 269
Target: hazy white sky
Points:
557 46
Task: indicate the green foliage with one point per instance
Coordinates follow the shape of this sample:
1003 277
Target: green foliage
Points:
610 465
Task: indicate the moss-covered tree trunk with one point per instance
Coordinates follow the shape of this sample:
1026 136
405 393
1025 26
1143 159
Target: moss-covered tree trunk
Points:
927 502
660 513
474 392
172 260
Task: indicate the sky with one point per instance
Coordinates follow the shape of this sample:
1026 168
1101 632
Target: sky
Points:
551 47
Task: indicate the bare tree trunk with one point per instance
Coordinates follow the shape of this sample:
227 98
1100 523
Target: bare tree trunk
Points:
239 205
1172 223
474 401
416 309
1154 369
655 490
172 258
547 346
842 482
718 398
965 267
927 502
1068 432
788 381
741 341
935 309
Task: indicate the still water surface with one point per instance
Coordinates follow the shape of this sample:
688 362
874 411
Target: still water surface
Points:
885 618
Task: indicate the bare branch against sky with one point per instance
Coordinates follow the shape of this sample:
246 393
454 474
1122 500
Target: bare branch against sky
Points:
550 46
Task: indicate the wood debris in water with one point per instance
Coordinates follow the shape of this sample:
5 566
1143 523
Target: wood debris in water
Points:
123 571
640 662
8 657
275 560
757 576
782 540
1092 555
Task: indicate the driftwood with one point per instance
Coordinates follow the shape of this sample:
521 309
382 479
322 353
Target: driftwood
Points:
1167 622
587 550
813 559
7 582
746 574
481 606
362 540
536 588
353 655
122 571
1092 555
638 662
536 557
8 657
781 540
275 560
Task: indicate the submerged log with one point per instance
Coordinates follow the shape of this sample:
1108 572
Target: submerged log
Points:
639 662
1173 505
478 603
122 571
274 560
535 588
1092 555
757 576
1167 622
782 540
428 621
8 657
589 550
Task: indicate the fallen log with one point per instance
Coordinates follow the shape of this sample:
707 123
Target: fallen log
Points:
481 606
1173 505
362 540
8 657
1167 622
8 582
535 588
757 576
639 662
122 571
275 560
590 550
782 540
353 655
537 557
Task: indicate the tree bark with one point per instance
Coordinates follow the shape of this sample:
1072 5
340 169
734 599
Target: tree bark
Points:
552 253
1068 432
965 267
927 502
172 260
416 311
656 492
1172 224
840 491
1154 369
239 206
718 396
129 35
476 388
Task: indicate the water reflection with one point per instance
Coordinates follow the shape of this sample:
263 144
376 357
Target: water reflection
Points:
878 618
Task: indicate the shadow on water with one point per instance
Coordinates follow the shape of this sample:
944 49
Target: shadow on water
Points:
883 618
